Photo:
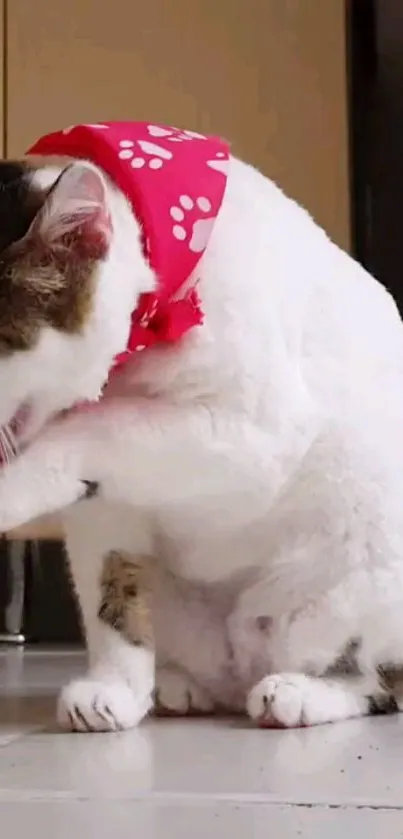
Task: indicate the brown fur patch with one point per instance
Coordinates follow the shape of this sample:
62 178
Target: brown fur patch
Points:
126 597
391 677
36 290
347 663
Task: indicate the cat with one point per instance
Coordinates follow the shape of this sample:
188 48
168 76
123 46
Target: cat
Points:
248 452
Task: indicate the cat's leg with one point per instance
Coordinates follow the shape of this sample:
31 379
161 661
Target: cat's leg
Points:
314 667
117 691
318 672
332 585
291 700
149 454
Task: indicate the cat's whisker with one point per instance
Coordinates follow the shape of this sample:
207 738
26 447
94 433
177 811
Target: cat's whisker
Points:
5 447
12 438
9 444
12 442
6 443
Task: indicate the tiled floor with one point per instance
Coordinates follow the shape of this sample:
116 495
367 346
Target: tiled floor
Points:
187 779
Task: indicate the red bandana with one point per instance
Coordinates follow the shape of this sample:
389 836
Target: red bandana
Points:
175 181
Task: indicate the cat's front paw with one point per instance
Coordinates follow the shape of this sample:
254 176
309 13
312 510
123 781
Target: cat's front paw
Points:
90 705
25 496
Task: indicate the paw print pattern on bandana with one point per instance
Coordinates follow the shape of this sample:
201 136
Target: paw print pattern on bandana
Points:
156 155
152 154
188 226
174 135
220 164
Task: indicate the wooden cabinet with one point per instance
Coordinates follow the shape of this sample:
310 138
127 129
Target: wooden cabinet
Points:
268 74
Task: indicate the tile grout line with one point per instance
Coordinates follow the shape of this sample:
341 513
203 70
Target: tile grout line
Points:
190 799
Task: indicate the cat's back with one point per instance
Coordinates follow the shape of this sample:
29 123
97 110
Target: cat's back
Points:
282 304
289 284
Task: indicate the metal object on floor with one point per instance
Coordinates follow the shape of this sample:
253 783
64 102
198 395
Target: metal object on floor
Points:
14 611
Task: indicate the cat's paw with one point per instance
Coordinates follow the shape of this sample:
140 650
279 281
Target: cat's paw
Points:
89 705
22 499
289 700
177 693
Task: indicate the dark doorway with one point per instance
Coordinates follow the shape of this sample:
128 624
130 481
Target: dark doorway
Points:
376 76
50 613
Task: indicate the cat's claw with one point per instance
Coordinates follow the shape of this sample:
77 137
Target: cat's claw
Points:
86 705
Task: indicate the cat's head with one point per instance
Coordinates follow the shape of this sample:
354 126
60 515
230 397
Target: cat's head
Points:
55 239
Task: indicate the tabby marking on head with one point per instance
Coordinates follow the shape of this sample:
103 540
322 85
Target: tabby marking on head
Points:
48 254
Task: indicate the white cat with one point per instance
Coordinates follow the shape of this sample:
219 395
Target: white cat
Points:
259 457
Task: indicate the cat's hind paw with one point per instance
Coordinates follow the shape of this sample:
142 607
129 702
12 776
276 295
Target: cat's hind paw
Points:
176 693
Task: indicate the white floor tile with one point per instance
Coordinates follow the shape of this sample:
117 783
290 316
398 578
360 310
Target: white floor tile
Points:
355 763
37 671
187 777
128 819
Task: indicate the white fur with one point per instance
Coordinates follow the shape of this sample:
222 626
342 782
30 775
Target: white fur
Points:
293 700
261 460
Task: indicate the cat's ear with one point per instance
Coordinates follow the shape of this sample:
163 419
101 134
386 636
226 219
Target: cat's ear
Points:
75 213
